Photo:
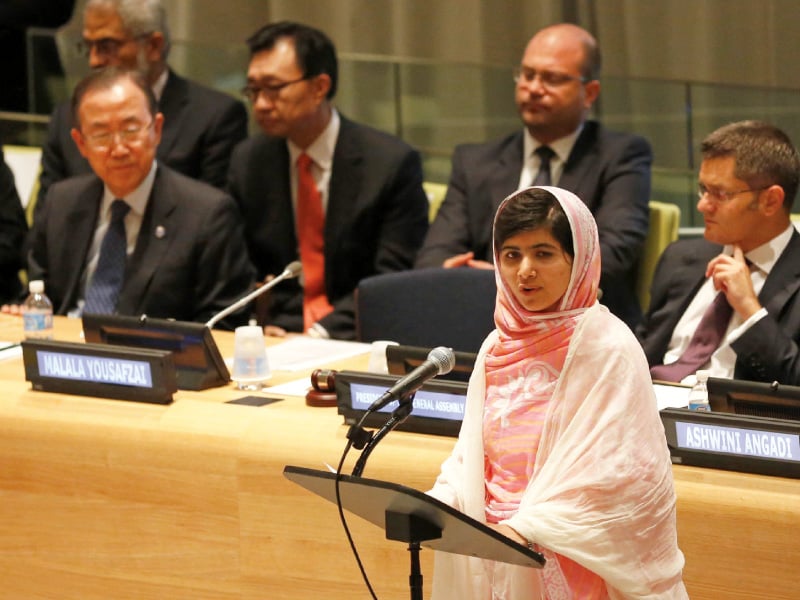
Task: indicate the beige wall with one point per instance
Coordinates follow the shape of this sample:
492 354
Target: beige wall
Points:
751 42
748 42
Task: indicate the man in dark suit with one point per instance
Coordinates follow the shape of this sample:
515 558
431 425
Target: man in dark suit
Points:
201 125
749 257
13 228
556 86
182 252
344 198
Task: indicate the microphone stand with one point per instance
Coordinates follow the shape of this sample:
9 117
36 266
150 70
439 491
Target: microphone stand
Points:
399 415
366 441
288 273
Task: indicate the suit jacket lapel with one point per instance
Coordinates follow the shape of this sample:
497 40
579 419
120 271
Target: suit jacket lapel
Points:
153 242
80 225
686 277
505 173
173 99
584 151
784 279
345 184
277 213
502 180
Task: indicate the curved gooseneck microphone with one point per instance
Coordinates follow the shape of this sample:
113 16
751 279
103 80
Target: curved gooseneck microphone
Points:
440 361
293 269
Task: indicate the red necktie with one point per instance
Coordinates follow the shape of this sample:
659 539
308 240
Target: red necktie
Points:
310 234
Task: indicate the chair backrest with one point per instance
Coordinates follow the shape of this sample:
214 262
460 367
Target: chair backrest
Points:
427 307
435 193
665 218
24 163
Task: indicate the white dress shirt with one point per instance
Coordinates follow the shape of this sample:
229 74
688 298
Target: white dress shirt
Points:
531 161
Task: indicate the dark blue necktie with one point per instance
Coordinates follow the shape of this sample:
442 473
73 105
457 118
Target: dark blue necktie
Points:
101 298
545 154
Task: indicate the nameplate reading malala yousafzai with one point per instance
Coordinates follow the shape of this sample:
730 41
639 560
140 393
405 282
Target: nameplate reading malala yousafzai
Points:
101 370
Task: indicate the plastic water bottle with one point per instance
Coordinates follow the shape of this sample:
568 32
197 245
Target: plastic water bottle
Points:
37 313
698 396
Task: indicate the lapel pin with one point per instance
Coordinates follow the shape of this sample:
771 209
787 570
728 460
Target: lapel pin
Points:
160 232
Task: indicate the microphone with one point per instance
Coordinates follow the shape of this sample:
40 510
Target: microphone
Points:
293 269
440 361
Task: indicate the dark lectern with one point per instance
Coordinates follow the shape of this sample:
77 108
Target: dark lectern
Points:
418 519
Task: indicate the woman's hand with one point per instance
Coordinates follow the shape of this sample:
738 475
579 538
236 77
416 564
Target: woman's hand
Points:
509 533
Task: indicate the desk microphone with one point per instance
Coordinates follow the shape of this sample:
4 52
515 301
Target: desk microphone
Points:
440 361
293 269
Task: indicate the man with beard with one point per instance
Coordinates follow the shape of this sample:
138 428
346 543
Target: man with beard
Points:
201 125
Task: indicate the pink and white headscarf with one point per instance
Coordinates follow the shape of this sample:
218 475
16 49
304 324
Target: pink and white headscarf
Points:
537 340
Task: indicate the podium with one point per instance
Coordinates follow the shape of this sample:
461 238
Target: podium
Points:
411 516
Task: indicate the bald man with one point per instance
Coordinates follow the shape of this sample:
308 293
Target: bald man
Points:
556 86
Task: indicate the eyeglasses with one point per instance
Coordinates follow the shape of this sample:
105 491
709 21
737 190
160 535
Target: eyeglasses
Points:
270 90
130 135
548 79
105 46
721 196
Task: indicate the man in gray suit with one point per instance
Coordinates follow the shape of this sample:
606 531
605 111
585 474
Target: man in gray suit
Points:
344 198
557 84
201 125
749 257
180 249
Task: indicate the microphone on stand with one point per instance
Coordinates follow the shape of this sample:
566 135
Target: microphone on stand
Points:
440 361
293 269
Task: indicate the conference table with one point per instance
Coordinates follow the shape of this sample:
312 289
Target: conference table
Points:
114 499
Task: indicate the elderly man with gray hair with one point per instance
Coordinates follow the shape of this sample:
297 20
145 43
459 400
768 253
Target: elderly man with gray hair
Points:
201 125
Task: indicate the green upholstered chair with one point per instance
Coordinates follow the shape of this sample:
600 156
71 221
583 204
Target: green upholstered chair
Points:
664 221
24 162
435 193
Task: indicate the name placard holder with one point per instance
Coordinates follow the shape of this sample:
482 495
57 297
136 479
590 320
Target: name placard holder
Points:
438 404
733 442
101 370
